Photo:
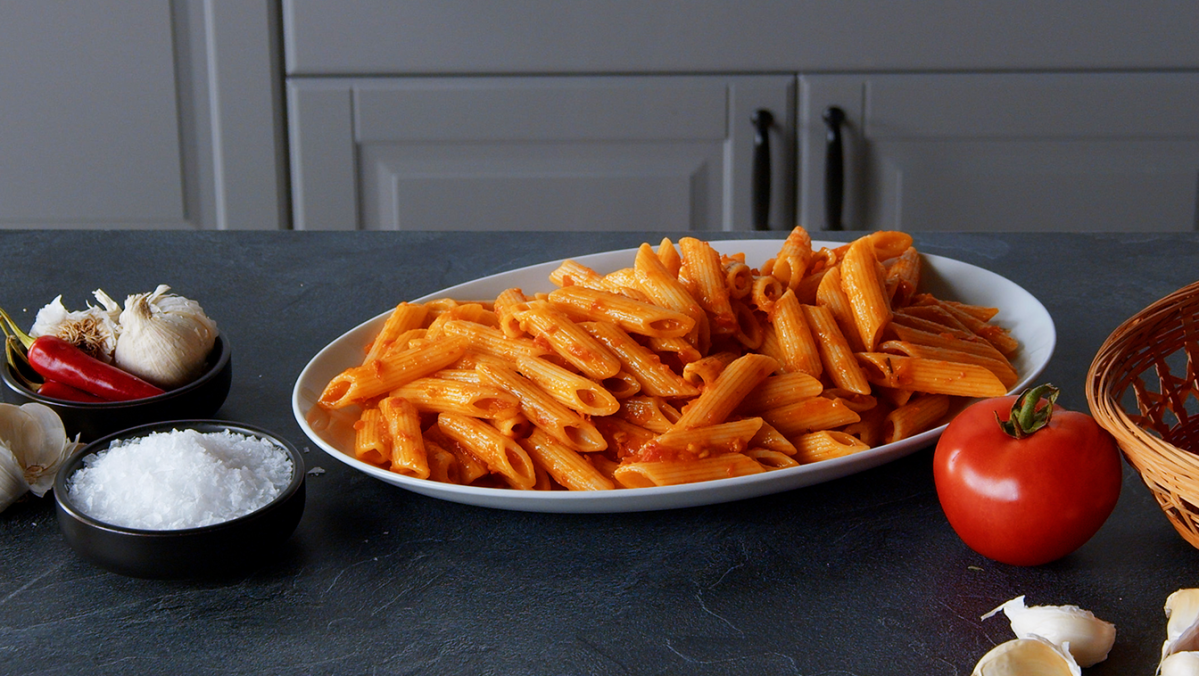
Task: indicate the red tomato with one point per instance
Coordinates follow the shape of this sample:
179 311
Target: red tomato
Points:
1031 500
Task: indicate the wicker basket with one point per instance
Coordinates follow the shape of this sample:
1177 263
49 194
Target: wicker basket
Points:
1143 387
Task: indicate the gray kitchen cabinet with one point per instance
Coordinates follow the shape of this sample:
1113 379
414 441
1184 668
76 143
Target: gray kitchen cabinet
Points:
141 114
1006 151
539 153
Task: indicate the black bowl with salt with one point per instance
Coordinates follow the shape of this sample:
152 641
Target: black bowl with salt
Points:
217 501
199 399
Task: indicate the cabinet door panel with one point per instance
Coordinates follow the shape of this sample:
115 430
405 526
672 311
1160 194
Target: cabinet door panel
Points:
626 153
1035 152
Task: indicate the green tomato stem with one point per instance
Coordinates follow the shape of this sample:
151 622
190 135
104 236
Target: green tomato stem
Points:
1027 416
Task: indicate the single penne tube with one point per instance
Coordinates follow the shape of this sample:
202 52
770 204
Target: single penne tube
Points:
771 439
795 339
652 413
825 445
622 385
903 276
475 313
502 455
962 343
705 370
360 383
770 344
765 292
583 395
930 375
919 414
470 467
543 410
405 317
884 243
704 278
870 429
443 465
682 350
624 282
569 341
733 384
779 390
861 283
506 305
769 459
372 443
739 279
630 315
440 395
831 295
894 396
669 256
749 331
665 290
572 273
797 243
726 437
492 341
563 463
1000 367
656 377
810 415
675 472
623 437
408 455
839 363
516 426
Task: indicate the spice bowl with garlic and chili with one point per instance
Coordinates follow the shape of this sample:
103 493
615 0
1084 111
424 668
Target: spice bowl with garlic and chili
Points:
111 367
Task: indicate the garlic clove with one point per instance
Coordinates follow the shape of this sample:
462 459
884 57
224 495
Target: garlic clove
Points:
34 435
1182 623
1033 656
1088 638
1185 663
12 478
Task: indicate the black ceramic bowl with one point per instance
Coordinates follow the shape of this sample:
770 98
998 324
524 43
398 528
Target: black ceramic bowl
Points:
200 398
214 550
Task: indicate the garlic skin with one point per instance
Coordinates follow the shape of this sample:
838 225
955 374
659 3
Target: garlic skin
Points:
92 330
1033 656
164 339
1088 638
1185 663
33 445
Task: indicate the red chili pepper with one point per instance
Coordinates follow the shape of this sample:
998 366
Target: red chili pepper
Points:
56 359
57 390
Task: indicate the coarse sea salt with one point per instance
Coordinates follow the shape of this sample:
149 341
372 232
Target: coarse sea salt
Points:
180 479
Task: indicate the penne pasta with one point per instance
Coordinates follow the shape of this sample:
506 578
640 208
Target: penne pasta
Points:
502 455
403 319
655 377
576 392
702 275
795 340
372 443
734 383
438 395
839 363
919 414
407 447
380 376
569 341
930 375
867 300
630 315
543 410
674 472
564 464
825 445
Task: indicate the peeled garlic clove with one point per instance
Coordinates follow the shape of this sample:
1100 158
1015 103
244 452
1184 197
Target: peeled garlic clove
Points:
1033 656
92 330
1180 664
1088 638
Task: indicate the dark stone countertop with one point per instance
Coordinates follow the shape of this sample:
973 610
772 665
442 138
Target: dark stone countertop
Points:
861 575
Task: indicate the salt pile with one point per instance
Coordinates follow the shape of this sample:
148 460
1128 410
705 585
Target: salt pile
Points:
180 479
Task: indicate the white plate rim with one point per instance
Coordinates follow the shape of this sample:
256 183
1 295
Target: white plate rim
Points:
686 495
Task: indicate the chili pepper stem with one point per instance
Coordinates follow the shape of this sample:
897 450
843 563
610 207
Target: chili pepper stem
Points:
25 338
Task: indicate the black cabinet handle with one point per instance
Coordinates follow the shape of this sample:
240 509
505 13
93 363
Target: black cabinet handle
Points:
762 120
834 169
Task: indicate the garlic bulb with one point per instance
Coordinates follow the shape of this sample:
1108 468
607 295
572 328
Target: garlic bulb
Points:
1088 638
92 330
33 444
1027 657
164 338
